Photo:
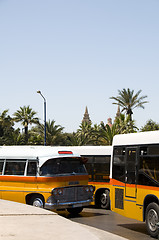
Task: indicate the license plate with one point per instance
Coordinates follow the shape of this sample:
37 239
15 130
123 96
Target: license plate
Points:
77 205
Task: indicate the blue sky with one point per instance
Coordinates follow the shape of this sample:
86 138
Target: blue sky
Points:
78 53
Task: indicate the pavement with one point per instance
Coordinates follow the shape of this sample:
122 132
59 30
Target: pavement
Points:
24 222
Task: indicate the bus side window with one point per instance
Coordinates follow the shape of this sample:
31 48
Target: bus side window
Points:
14 168
32 168
90 167
119 164
1 167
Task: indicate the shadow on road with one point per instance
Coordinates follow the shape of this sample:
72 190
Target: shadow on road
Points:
80 215
137 227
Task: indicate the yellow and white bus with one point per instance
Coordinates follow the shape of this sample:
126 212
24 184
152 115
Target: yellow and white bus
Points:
48 177
98 168
134 177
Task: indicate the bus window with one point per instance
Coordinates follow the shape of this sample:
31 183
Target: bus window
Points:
153 150
131 166
14 167
71 166
63 166
149 170
1 167
32 168
119 164
50 167
101 166
89 166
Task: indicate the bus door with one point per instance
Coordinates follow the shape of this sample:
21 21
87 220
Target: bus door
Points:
130 172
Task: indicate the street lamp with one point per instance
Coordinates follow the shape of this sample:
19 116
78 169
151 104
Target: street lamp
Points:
44 116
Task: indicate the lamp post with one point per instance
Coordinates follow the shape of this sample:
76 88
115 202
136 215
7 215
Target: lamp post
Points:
44 117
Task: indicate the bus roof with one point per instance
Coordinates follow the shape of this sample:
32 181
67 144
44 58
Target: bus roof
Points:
149 137
91 150
42 153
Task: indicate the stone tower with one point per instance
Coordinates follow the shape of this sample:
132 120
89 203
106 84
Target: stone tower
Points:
118 112
86 117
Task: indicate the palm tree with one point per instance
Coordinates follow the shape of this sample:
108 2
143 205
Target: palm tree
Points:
128 100
123 124
26 116
150 126
85 135
107 133
54 135
6 129
54 132
74 139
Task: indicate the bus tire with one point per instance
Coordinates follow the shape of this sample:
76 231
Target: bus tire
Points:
152 217
105 200
75 211
37 201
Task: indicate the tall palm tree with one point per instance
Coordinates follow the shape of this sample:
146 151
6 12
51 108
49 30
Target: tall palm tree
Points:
129 100
26 116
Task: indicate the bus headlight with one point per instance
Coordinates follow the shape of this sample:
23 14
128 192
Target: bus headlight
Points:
92 189
89 188
57 191
86 188
60 191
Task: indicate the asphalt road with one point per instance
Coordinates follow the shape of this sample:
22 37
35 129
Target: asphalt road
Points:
111 222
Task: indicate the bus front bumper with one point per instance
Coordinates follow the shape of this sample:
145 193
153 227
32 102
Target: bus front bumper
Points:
64 205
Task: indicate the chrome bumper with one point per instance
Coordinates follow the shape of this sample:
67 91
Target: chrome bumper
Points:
65 205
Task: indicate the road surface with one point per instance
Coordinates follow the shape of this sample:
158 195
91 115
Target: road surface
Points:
111 222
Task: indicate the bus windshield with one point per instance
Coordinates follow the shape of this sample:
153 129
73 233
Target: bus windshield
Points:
63 166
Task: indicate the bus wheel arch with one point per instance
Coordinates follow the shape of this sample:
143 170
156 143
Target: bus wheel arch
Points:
148 199
35 199
102 198
152 218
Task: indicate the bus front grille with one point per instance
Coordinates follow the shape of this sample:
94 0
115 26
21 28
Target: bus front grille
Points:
72 194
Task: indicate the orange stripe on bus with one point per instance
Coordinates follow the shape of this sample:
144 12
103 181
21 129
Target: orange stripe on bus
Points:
41 179
118 183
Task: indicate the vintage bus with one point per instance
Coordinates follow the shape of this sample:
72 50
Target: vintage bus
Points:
134 178
42 176
98 167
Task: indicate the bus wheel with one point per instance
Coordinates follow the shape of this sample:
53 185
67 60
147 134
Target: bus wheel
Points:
37 201
75 211
105 200
152 217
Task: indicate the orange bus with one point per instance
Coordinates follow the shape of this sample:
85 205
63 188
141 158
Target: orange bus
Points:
48 177
98 168
134 178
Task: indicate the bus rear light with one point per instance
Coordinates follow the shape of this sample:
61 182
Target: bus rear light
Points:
65 152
